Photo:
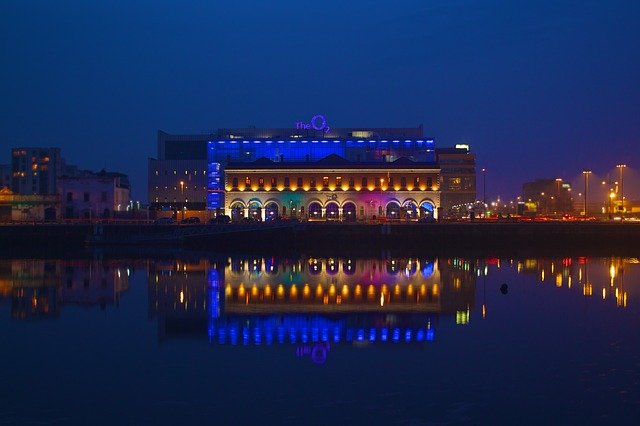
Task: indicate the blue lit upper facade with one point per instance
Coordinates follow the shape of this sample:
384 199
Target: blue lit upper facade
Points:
223 151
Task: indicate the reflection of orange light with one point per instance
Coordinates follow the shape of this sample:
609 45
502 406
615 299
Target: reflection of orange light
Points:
396 290
306 291
423 290
280 291
345 291
267 291
241 290
410 290
293 292
332 290
254 291
319 291
358 290
371 291
435 290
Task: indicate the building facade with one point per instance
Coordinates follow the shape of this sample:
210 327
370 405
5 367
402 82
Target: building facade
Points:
28 208
178 177
547 197
458 176
90 195
192 173
5 176
332 189
35 171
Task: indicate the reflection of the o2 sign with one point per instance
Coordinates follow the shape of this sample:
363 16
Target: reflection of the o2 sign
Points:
317 352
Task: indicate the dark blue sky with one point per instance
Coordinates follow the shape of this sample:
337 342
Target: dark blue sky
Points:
538 88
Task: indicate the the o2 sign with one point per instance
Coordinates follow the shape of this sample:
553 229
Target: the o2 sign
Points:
318 122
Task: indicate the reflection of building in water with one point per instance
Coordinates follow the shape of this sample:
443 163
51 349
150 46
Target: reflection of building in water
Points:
595 277
180 296
304 302
38 288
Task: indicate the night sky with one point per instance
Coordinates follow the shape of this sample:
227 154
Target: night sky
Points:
537 88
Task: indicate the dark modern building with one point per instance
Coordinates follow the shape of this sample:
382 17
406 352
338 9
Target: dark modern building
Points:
458 176
35 171
547 196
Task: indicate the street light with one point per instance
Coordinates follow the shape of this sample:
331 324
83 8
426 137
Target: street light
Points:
182 196
586 174
621 167
484 186
558 181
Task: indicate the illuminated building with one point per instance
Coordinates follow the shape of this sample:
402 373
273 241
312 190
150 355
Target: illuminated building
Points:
35 171
16 207
332 188
384 157
458 176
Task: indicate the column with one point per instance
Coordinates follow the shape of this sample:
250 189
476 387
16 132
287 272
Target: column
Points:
339 213
246 212
263 213
323 213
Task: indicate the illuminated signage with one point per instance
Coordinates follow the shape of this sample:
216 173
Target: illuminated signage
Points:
318 122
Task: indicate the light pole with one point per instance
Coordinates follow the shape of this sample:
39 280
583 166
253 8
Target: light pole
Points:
484 186
586 174
621 167
558 181
182 196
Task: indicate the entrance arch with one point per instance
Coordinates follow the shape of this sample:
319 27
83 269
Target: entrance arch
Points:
393 210
410 209
331 210
271 210
315 210
427 209
237 211
349 212
255 210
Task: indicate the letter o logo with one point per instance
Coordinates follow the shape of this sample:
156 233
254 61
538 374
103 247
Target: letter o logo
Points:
315 119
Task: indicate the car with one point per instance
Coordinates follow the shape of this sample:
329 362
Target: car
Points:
220 219
190 220
164 221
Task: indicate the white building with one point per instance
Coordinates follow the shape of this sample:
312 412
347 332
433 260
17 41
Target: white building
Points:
90 195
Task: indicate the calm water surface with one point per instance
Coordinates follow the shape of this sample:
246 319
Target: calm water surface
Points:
260 340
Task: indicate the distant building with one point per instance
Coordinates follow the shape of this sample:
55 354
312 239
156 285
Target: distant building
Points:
31 208
547 196
94 195
35 171
5 176
458 176
178 177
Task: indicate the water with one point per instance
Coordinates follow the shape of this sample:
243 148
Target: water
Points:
201 338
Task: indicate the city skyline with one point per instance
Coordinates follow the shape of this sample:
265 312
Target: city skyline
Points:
536 90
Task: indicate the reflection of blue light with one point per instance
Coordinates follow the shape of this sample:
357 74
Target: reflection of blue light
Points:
269 335
420 336
221 335
427 268
257 337
281 335
396 334
245 336
325 334
336 334
407 336
315 334
360 337
372 335
430 335
305 338
384 334
292 335
349 336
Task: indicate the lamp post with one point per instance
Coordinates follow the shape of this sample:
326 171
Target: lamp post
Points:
558 181
182 196
484 186
586 174
621 167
